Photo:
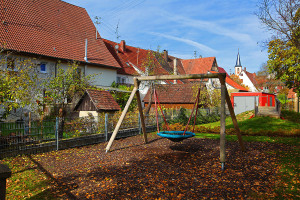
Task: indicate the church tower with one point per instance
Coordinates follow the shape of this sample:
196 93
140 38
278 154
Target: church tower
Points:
238 65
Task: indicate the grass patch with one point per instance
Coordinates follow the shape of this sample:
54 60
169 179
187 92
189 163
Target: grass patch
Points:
281 140
259 125
27 180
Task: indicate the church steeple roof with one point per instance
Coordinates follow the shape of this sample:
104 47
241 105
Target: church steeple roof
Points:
238 60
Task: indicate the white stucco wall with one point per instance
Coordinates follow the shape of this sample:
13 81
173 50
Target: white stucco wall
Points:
87 113
103 76
246 81
126 78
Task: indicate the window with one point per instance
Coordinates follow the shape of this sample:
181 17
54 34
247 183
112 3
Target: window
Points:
118 80
43 68
123 80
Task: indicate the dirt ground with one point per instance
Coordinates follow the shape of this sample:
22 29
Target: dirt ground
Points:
163 169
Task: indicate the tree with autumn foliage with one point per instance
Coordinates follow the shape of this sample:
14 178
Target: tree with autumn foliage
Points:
265 79
62 88
282 17
152 63
239 81
19 84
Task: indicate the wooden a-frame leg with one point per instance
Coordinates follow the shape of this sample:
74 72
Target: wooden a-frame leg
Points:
222 125
235 123
112 138
136 84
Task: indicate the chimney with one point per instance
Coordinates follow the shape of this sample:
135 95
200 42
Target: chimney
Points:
175 69
122 46
245 68
166 55
85 53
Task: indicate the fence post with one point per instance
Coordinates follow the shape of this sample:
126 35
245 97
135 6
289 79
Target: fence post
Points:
5 173
106 127
56 132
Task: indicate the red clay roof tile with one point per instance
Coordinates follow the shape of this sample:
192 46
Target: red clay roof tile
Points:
174 93
198 65
136 56
229 81
52 28
103 100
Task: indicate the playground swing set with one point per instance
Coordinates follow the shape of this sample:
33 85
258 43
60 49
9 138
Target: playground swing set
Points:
181 135
175 136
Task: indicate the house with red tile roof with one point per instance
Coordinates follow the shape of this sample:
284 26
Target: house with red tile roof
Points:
53 33
230 84
174 96
200 65
136 61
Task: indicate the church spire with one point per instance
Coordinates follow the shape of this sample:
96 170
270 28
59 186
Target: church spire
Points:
238 60
238 65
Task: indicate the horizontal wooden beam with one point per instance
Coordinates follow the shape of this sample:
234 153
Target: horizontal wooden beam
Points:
179 77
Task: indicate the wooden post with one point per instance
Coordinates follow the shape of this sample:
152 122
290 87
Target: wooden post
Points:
136 84
222 126
235 123
5 173
112 138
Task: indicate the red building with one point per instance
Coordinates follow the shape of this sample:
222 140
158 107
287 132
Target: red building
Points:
244 101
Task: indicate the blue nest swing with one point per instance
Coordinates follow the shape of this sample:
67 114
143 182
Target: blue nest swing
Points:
176 136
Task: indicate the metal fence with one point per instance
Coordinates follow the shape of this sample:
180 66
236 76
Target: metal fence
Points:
23 137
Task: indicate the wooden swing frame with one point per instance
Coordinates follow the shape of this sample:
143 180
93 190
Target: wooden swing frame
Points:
224 97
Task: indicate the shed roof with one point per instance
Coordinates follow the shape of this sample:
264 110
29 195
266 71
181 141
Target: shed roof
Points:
101 99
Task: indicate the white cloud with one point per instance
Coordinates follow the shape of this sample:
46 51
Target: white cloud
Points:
202 47
211 27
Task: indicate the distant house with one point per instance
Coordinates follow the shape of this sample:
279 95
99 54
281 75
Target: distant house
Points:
174 96
95 102
53 33
200 65
133 62
248 79
230 84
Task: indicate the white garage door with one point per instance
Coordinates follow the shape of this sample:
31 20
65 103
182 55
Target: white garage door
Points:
242 104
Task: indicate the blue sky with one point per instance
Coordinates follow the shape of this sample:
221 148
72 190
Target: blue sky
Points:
208 28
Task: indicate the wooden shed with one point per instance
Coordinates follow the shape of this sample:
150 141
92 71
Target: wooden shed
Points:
96 101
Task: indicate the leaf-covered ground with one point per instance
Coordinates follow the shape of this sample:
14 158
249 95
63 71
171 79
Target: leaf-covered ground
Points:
161 169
